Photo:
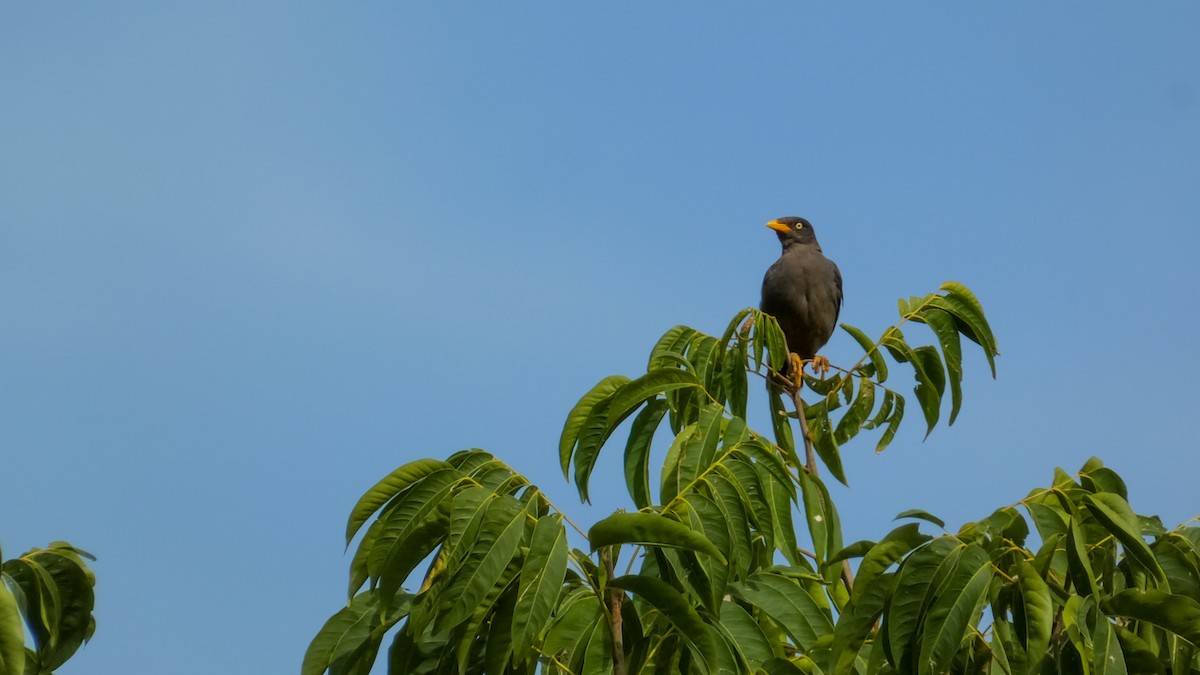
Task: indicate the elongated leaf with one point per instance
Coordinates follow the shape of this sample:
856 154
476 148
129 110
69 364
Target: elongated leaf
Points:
1107 656
495 545
747 636
12 634
955 610
672 343
637 452
392 485
773 338
921 515
878 363
962 304
1114 513
893 424
649 528
858 414
735 379
580 413
606 415
348 631
944 328
779 497
824 524
908 604
410 527
542 574
893 547
855 623
1077 557
1176 613
826 444
676 608
789 604
1039 611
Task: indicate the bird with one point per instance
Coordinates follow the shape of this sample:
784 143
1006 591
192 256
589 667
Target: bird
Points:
803 291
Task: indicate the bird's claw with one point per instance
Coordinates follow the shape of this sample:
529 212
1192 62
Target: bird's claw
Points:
796 367
820 365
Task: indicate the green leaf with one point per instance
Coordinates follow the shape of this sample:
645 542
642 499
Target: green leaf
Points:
494 546
1107 656
823 523
921 515
580 413
673 342
1077 558
652 529
894 546
1039 610
392 485
1176 613
944 328
1112 511
12 634
637 451
855 623
955 610
878 363
927 368
542 574
909 599
825 444
412 528
349 634
676 608
606 415
961 303
789 604
776 343
858 414
893 425
747 636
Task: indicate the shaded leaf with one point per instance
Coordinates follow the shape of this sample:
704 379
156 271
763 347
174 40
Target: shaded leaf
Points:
649 528
675 607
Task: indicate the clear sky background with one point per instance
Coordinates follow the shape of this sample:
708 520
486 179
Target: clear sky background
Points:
255 255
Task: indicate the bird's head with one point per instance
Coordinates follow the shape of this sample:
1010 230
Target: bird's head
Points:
794 231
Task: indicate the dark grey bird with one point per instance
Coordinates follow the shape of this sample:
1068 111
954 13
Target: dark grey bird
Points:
803 291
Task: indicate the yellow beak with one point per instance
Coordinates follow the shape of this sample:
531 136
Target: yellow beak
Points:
778 226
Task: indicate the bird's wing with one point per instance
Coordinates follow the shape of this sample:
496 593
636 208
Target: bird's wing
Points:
837 280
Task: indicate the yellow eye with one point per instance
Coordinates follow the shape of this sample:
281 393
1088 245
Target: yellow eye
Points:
799 226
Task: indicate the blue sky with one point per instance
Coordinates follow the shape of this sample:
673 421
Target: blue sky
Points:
255 255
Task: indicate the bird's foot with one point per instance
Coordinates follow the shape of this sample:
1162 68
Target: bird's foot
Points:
820 365
796 369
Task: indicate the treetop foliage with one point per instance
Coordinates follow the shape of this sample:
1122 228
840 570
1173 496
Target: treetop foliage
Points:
730 558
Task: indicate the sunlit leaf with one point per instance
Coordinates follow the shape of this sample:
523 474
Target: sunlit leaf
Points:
921 515
894 546
489 554
542 574
1115 514
12 634
392 485
580 413
871 350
